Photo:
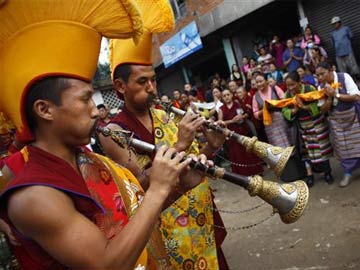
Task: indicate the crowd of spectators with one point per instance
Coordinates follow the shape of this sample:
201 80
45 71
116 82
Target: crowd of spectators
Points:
270 73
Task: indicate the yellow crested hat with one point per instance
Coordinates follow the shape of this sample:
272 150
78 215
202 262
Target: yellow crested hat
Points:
157 17
41 38
6 126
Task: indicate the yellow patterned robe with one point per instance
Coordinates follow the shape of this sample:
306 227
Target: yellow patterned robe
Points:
187 225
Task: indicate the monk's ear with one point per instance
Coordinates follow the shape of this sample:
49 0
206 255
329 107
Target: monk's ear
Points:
44 109
120 85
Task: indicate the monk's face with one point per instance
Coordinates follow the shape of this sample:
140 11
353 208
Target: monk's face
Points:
103 112
74 119
141 87
227 96
176 95
232 86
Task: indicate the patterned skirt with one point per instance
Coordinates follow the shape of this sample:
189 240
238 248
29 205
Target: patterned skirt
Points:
345 131
278 133
315 135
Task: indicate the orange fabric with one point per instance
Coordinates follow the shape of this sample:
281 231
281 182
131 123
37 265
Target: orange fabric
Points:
157 17
308 97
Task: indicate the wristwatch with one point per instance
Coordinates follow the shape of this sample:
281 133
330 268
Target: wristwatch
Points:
337 95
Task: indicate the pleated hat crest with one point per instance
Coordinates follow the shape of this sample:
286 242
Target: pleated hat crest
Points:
157 17
41 38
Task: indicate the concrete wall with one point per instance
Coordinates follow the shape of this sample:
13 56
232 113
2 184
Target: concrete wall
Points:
210 15
226 13
171 81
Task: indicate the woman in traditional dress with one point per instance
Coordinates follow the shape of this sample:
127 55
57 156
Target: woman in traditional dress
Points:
311 129
234 115
343 105
277 133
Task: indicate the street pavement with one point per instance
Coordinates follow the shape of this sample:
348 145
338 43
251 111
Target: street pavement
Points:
327 236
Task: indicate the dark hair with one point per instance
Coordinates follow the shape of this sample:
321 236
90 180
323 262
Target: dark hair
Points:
217 87
272 63
294 76
260 74
324 65
302 66
101 106
312 33
317 48
123 72
309 27
51 89
193 93
231 81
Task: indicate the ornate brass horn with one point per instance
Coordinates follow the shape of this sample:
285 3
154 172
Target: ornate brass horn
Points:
289 200
276 157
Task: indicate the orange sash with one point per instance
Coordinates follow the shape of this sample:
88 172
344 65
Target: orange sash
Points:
307 97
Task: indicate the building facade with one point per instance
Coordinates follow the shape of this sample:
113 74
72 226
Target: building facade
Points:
229 29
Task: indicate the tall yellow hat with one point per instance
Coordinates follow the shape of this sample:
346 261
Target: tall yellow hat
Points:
6 126
41 38
157 17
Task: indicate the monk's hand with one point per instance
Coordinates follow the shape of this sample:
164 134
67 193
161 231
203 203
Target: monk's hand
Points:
237 118
190 178
187 130
166 169
214 138
5 228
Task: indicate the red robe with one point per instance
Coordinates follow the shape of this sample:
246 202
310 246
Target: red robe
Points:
46 169
249 164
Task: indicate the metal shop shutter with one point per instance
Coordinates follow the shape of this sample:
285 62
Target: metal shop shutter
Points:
319 14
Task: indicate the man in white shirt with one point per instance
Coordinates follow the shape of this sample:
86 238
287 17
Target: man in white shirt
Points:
343 105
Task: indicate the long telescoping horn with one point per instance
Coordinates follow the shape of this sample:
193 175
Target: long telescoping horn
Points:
275 157
289 200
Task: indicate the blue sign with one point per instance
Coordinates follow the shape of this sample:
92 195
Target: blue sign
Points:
182 44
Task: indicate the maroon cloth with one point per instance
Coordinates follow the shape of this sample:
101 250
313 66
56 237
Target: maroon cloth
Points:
15 163
101 123
237 153
246 105
277 51
46 169
128 121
